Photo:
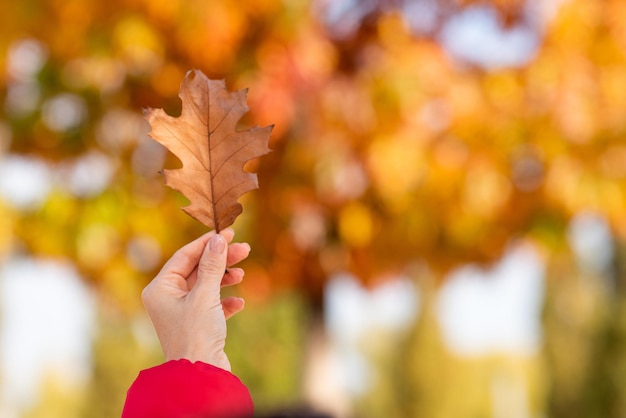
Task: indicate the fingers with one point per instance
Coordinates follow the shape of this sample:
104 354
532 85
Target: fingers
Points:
232 305
185 263
185 260
232 277
228 233
237 252
212 265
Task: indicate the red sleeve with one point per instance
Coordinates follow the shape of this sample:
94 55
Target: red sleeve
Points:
182 389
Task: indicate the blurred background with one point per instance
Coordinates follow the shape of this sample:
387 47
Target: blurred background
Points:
440 230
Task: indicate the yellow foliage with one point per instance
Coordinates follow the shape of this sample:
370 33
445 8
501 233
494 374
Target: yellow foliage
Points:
139 46
96 245
356 225
396 165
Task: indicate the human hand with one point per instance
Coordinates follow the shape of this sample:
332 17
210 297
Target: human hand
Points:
184 302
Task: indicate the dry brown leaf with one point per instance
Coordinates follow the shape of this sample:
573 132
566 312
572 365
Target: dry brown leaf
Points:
213 152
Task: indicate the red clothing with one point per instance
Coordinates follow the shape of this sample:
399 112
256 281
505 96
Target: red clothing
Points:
182 389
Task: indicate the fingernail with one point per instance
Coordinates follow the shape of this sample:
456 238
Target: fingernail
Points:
217 244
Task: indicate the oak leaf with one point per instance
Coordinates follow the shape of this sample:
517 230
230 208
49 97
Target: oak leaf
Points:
213 152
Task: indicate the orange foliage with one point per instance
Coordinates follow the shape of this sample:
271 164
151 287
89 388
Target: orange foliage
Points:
387 151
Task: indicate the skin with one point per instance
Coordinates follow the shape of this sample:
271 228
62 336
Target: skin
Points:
184 302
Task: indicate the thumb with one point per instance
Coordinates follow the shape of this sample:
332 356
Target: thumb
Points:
213 264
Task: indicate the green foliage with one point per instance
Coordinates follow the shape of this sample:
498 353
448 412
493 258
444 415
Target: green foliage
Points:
585 328
121 349
266 347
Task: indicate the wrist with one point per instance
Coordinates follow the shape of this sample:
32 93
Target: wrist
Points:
215 358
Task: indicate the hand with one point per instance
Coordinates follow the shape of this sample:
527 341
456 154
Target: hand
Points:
184 302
